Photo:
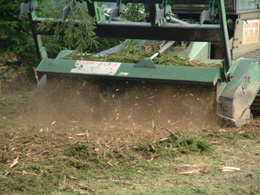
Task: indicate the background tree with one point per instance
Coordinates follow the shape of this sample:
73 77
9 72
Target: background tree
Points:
16 42
17 47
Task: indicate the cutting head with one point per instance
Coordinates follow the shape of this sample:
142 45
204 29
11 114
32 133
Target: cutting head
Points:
218 31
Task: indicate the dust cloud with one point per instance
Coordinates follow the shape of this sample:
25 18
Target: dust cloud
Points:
118 107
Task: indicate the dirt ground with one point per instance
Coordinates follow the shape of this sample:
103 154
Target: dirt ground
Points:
44 130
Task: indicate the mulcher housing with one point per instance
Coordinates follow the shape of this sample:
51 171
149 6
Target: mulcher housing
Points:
224 32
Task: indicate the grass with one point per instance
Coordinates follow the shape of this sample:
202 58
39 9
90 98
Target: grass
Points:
58 161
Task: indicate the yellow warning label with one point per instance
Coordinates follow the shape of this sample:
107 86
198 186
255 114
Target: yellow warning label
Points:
251 31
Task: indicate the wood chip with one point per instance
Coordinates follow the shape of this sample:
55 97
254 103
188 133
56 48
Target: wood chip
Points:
15 162
229 169
192 172
81 134
7 173
84 84
253 163
36 75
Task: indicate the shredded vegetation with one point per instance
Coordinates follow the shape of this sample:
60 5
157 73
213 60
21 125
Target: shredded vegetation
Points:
176 143
34 162
130 52
61 161
53 159
102 155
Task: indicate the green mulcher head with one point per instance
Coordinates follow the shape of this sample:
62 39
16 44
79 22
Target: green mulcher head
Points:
213 32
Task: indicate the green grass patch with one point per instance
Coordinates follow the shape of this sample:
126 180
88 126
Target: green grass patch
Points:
176 143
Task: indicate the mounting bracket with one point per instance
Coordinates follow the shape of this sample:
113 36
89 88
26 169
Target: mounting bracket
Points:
161 13
65 12
27 8
206 15
116 12
147 63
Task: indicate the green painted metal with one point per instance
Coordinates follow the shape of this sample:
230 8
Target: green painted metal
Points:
145 64
63 53
247 4
100 15
224 28
195 51
127 71
42 53
199 51
222 85
234 98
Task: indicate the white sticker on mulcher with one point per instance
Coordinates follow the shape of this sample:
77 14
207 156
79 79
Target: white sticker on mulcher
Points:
94 67
251 31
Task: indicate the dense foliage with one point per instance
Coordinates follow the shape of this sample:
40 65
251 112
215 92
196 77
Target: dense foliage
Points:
77 36
16 43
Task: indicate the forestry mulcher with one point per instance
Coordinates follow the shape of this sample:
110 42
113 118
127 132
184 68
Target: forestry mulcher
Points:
222 32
